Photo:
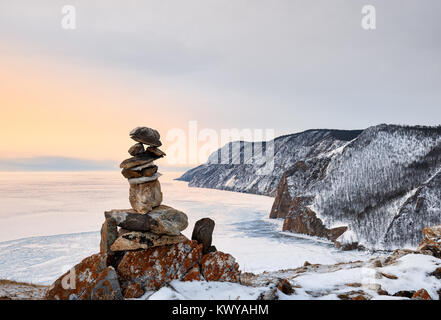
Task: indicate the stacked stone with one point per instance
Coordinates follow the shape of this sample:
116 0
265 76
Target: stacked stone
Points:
148 224
142 248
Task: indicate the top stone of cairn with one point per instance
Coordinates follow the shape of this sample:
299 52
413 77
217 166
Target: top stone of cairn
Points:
146 135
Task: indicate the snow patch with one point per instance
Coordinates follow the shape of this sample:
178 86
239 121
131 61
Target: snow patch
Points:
202 290
348 237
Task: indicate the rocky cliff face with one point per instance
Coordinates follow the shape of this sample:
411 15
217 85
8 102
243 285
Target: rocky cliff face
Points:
376 188
383 187
244 171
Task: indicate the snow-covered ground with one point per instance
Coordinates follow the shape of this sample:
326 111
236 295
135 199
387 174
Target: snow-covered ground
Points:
64 211
411 272
202 290
11 290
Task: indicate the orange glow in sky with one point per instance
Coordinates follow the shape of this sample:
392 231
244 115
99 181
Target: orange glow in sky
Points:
51 108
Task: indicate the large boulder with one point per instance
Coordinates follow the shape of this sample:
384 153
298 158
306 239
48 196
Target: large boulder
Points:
142 270
91 279
144 197
153 268
203 233
219 266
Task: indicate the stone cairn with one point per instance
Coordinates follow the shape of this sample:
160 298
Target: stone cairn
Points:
142 248
148 224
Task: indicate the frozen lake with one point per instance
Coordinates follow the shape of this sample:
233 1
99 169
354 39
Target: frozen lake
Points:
50 221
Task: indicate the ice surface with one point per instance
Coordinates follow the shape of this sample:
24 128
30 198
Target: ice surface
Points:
41 260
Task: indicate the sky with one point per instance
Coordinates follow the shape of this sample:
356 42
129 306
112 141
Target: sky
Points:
286 65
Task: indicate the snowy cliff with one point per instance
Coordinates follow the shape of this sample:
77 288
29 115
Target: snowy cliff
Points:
244 171
382 187
376 188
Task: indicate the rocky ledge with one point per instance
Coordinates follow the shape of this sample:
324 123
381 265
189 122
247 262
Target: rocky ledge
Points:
133 273
12 290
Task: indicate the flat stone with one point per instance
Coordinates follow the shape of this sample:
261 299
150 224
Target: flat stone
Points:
136 149
161 220
156 151
131 174
131 220
139 160
144 197
141 180
145 172
203 233
136 240
139 168
170 221
146 135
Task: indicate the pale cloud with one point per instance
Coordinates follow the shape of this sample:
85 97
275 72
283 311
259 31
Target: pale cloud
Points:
288 65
